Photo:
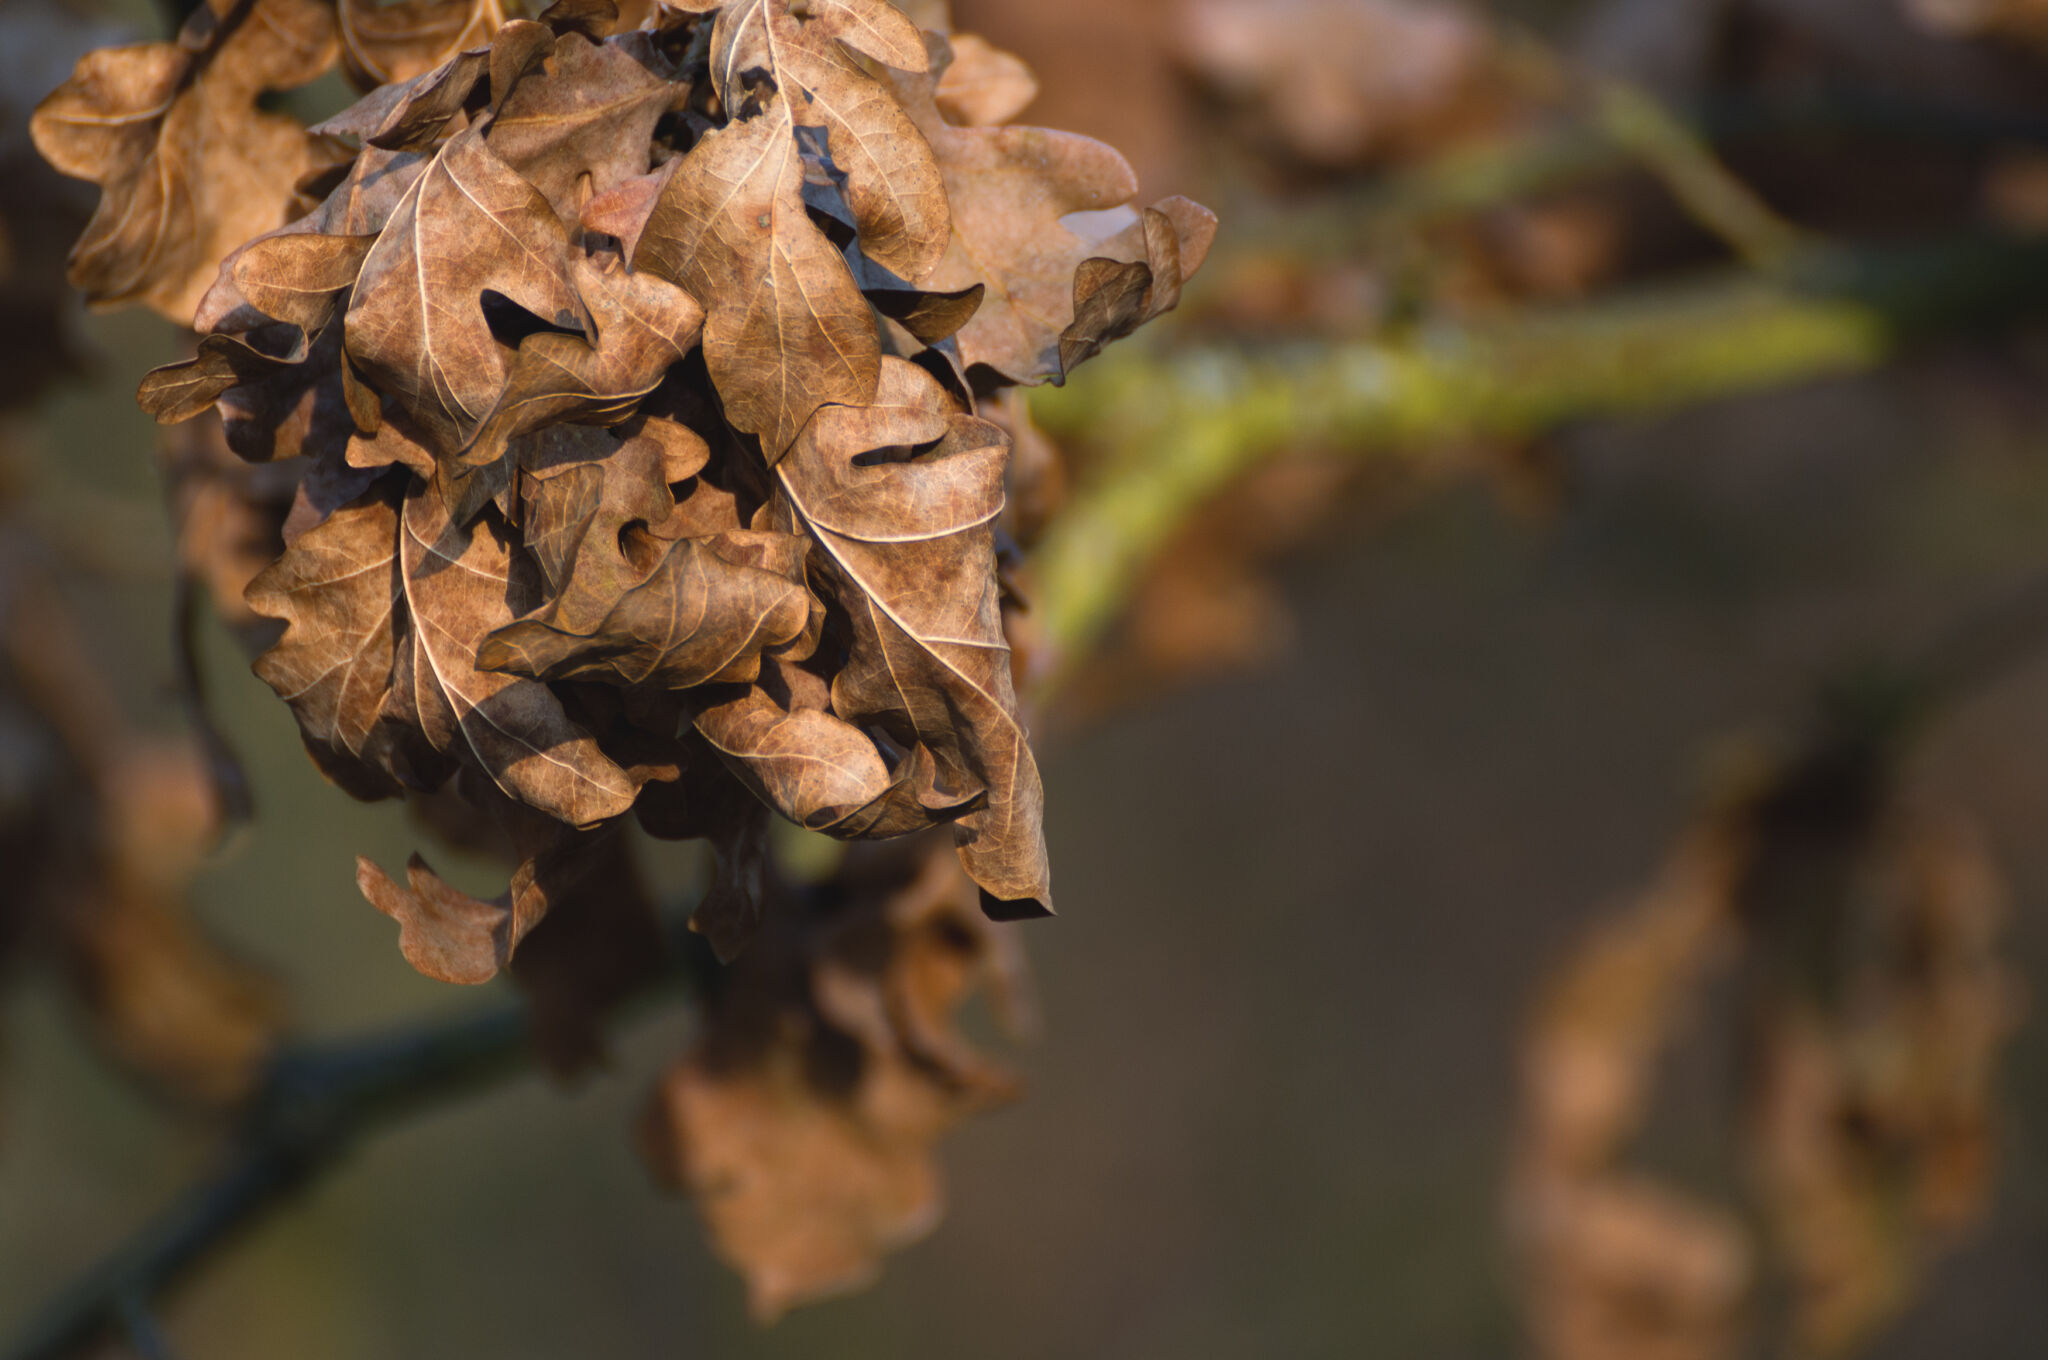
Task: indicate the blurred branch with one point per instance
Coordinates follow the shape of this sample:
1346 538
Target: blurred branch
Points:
1187 423
1714 198
317 1100
1618 137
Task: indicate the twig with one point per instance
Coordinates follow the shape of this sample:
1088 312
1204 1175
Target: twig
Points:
317 1100
1688 168
1189 423
143 1333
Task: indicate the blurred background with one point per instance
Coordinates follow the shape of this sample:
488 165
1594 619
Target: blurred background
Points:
1549 830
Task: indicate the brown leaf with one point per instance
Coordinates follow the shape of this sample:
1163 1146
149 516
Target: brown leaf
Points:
892 184
1113 298
983 85
702 611
459 587
786 330
386 44
338 591
814 769
643 324
1010 189
590 113
910 539
416 326
188 166
443 932
804 1121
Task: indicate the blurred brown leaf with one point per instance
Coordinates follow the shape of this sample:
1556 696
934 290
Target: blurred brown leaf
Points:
804 1120
187 165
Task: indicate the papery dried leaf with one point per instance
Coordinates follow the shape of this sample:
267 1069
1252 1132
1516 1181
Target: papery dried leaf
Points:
983 85
892 183
803 1122
387 43
1010 189
814 769
188 166
339 593
444 932
588 117
594 19
1113 298
911 541
416 326
786 330
458 581
703 615
644 324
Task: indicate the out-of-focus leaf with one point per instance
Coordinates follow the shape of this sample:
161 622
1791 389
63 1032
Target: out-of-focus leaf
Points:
188 166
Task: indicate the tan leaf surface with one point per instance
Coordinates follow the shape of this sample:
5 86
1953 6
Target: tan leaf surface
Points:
815 769
984 85
444 932
911 540
591 113
810 1157
187 165
892 184
385 44
1010 188
457 585
643 325
786 330
416 326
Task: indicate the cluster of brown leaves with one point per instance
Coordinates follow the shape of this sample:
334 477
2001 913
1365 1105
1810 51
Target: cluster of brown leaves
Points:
103 830
593 418
804 1117
634 377
1871 1005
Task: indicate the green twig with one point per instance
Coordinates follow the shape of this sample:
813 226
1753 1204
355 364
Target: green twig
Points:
1688 168
1191 422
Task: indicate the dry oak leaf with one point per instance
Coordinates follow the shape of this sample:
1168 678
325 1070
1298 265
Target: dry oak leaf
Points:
283 287
818 771
892 184
983 86
188 166
643 325
703 615
575 514
338 592
1011 189
444 932
564 875
387 44
809 1156
901 498
786 330
590 112
416 327
633 609
461 584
